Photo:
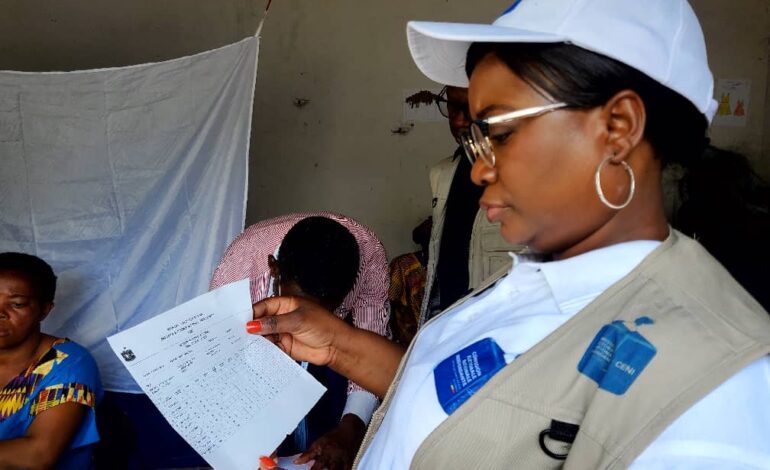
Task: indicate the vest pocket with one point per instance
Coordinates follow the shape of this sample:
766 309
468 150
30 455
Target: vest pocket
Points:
494 250
489 434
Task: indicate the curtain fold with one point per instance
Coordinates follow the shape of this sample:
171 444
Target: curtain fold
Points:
129 181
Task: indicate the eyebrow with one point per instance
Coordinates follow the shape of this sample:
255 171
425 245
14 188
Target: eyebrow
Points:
14 295
494 107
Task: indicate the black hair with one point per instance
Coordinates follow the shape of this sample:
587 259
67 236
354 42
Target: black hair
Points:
583 79
726 207
37 271
322 257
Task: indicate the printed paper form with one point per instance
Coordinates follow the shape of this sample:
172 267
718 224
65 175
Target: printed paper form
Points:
232 396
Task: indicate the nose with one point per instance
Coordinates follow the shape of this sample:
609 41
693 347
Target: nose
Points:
460 119
483 174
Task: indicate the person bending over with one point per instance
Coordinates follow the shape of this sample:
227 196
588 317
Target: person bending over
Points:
341 265
51 386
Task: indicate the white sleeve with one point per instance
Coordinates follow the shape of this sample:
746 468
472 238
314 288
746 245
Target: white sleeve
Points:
362 404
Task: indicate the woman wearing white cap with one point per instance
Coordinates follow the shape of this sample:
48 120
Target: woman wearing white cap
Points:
632 346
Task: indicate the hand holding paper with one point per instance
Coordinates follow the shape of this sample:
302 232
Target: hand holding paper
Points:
313 329
308 332
231 395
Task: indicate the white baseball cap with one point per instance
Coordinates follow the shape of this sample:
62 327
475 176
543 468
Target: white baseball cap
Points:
661 38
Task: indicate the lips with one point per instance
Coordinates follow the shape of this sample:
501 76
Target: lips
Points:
493 211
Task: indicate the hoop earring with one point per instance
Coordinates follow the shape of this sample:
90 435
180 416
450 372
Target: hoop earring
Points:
598 180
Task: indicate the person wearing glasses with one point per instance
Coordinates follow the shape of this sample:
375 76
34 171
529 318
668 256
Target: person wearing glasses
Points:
465 248
340 264
633 347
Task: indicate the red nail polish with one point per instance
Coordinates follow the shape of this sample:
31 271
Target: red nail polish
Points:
267 462
254 326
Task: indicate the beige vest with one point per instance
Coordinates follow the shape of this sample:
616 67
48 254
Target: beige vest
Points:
488 251
706 328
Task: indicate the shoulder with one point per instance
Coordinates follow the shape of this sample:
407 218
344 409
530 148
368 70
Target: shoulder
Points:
249 250
75 362
73 351
368 241
269 231
448 163
354 226
444 168
405 262
695 280
734 418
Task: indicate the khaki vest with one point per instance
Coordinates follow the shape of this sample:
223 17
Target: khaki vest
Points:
488 251
706 328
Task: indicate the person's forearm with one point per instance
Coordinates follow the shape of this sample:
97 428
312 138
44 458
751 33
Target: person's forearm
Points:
367 359
22 454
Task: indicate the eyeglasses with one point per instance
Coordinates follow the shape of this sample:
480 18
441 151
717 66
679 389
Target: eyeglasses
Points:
476 141
448 108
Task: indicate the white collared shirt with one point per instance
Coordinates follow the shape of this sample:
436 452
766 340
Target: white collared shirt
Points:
532 301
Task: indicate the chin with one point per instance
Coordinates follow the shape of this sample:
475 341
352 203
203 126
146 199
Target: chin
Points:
513 233
8 342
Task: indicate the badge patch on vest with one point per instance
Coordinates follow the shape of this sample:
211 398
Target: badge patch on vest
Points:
460 375
617 355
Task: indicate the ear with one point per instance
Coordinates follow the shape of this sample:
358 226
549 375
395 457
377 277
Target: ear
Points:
46 309
272 263
625 117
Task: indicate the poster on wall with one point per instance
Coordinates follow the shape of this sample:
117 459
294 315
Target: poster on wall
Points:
733 98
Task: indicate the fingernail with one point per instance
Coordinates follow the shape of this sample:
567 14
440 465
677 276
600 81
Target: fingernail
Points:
265 461
254 326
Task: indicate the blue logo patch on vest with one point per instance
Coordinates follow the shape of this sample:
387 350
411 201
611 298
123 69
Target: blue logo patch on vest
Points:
463 373
617 356
510 8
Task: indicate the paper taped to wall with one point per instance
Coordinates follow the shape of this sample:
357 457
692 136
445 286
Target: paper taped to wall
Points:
733 98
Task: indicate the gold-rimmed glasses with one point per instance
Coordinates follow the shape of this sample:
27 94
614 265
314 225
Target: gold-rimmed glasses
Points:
476 141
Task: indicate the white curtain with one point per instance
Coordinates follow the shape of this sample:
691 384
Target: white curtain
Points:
129 181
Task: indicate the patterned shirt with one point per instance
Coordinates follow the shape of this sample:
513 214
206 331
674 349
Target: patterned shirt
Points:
367 301
66 373
407 289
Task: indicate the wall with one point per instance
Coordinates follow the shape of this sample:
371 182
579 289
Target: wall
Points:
738 40
350 60
80 34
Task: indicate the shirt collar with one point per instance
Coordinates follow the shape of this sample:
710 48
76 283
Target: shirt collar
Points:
576 281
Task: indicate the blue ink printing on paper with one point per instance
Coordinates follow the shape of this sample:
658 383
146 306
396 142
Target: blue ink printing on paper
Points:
463 373
510 8
617 356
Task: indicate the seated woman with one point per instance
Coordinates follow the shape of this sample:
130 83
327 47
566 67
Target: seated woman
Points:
633 347
51 384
